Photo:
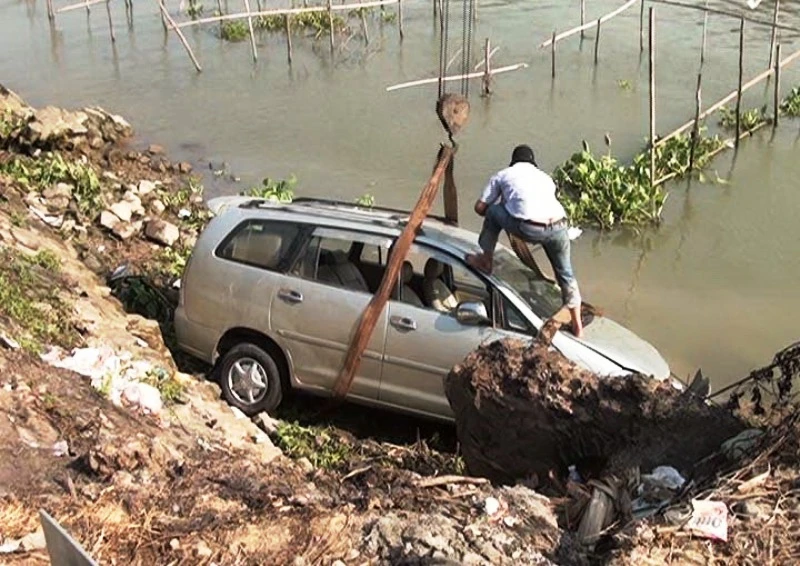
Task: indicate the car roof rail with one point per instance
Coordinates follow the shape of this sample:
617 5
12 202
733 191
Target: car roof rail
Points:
333 202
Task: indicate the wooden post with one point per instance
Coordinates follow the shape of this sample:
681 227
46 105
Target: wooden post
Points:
777 97
641 27
705 35
364 24
487 72
652 48
400 17
250 27
583 18
366 325
696 128
552 55
185 43
219 8
435 10
774 37
330 23
110 22
289 38
739 90
51 14
597 43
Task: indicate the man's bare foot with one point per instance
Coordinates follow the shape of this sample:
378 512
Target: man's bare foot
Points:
577 323
577 332
480 262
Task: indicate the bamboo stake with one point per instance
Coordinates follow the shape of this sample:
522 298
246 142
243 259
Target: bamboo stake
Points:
400 18
705 34
219 7
747 86
597 43
774 37
651 44
288 38
110 22
726 13
330 23
78 6
364 26
283 12
603 19
696 129
641 27
250 27
50 13
777 97
583 19
366 325
487 75
457 77
482 62
739 91
553 55
185 43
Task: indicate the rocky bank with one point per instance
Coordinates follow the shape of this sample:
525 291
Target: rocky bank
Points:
128 445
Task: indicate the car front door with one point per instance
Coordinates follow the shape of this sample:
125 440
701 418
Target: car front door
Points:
423 344
317 306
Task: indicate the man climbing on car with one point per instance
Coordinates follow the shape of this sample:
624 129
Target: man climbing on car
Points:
521 199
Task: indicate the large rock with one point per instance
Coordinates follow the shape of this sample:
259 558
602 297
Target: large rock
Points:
162 232
525 411
51 124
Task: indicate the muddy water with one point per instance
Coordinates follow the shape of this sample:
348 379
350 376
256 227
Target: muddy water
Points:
714 287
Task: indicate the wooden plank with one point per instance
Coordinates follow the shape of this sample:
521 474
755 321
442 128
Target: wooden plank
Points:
369 318
475 75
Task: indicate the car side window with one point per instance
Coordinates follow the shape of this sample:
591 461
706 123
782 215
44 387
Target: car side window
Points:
326 258
260 243
513 319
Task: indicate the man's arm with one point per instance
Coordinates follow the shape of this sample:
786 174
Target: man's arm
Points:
489 196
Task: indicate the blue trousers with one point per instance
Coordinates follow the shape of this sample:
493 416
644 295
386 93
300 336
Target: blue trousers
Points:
555 242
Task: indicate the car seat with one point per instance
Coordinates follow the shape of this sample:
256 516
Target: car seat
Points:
335 268
437 295
407 293
258 248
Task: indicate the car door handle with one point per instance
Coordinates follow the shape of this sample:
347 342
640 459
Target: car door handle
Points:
290 296
403 322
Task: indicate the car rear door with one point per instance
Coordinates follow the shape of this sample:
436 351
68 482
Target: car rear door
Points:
316 307
423 344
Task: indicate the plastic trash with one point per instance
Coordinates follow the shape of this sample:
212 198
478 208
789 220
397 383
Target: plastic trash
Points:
491 505
709 519
666 477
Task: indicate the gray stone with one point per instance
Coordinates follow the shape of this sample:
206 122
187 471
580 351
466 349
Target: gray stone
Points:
123 210
174 544
202 550
305 465
184 167
162 232
96 142
52 123
135 201
155 149
124 230
146 187
108 219
266 423
58 190
157 207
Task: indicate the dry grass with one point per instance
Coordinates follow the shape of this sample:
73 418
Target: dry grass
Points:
16 519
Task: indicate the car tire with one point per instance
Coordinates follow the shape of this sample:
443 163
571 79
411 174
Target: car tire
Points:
250 379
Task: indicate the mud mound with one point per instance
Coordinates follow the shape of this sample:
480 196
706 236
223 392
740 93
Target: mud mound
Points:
525 411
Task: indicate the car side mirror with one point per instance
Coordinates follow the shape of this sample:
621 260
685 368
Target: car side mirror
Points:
472 314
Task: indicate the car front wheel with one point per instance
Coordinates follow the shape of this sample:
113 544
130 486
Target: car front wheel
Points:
250 379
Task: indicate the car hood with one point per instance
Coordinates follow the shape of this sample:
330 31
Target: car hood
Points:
623 347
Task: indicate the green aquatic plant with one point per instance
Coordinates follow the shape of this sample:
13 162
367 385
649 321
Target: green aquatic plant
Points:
317 22
366 200
234 30
791 104
749 119
281 190
625 84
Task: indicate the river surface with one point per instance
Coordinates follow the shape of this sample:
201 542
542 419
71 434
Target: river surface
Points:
714 286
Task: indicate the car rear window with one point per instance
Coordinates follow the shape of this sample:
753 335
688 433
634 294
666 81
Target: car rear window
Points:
261 243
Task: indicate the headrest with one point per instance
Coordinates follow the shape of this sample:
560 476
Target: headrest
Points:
407 272
433 268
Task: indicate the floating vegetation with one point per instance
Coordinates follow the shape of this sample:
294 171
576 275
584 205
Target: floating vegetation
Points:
366 200
278 190
233 30
601 191
314 21
625 84
791 104
750 119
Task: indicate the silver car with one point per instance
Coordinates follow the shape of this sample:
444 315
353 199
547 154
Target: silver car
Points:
272 294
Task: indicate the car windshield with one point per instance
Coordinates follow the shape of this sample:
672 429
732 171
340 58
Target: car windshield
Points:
543 296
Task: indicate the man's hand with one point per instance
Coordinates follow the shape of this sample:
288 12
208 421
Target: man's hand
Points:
480 208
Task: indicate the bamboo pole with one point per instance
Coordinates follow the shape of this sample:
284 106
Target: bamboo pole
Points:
651 44
364 26
777 97
774 36
288 38
283 12
597 43
50 12
739 91
482 62
110 22
487 74
696 130
641 27
457 77
330 23
553 55
250 28
400 18
603 19
747 86
705 35
583 19
726 13
219 7
78 6
185 43
366 324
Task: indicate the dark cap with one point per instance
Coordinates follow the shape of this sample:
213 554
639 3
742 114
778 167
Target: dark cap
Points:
522 153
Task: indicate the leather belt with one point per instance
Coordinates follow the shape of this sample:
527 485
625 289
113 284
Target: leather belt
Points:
550 224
